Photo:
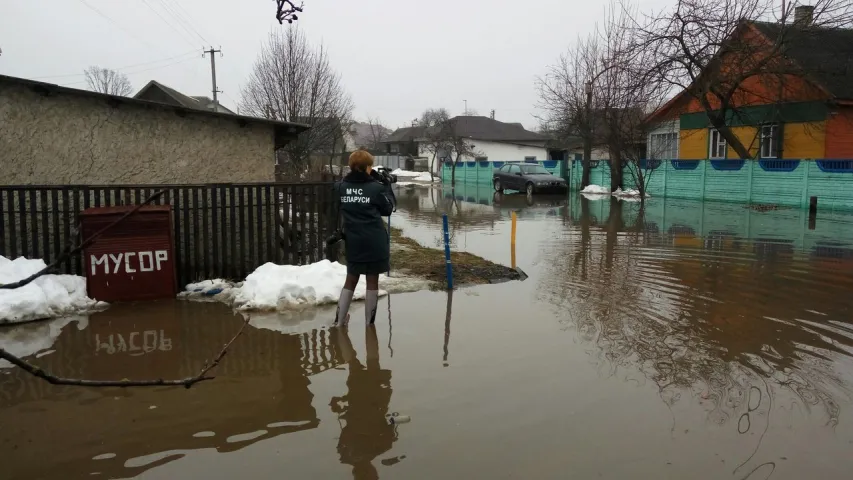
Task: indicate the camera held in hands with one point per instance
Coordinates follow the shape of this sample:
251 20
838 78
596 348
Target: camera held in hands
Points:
335 237
383 175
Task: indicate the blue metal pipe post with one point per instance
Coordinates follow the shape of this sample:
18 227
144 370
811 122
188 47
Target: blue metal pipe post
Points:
389 245
447 252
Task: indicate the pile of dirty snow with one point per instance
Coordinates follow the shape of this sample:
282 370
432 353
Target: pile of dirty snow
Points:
414 176
629 195
400 173
283 287
47 296
596 190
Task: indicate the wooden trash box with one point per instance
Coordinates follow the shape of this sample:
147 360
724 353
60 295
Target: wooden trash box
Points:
133 260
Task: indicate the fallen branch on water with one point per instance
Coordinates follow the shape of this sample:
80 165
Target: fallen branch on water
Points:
186 382
73 250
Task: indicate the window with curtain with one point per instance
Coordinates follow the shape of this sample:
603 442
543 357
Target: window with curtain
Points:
718 146
769 141
663 146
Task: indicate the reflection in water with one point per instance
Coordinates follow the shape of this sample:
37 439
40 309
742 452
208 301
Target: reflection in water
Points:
725 320
365 431
447 327
261 390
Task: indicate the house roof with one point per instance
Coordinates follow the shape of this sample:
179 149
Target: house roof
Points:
178 98
405 134
485 128
825 54
476 128
174 97
283 130
363 133
208 102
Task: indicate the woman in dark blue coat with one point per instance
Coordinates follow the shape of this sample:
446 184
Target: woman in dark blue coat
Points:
363 201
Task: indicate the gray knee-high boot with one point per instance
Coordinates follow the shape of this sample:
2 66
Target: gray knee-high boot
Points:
371 299
343 307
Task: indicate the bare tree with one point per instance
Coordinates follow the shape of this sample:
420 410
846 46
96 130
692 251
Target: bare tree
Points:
377 132
456 144
293 81
566 94
435 143
728 54
626 95
104 80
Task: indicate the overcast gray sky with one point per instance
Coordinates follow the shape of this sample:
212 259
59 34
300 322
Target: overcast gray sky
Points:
396 57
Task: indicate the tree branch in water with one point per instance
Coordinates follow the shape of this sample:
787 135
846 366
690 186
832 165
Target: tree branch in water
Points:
186 382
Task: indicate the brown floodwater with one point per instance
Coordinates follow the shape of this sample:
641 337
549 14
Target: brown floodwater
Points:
700 341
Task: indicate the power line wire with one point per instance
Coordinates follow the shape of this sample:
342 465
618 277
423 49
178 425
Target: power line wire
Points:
180 34
108 18
182 9
119 69
182 20
136 72
178 21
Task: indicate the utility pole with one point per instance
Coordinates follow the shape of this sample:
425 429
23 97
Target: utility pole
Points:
212 52
466 107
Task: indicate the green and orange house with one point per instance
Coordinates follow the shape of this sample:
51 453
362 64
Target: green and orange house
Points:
798 130
808 116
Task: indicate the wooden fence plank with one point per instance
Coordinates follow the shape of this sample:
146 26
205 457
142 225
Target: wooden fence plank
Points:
232 227
66 225
205 228
250 226
215 255
3 223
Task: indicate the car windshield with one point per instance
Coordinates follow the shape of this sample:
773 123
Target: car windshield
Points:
534 170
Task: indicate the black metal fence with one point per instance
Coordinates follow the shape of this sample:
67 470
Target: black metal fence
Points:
219 230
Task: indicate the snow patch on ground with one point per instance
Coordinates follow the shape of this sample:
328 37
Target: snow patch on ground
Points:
35 338
287 287
596 190
629 195
405 173
414 176
48 296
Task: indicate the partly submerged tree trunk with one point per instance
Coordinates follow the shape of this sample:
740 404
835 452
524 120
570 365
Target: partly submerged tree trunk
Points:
614 226
587 154
616 171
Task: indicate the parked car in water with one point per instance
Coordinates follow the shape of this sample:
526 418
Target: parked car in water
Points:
527 177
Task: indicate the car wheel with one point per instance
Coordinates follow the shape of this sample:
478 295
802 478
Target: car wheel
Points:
498 186
530 188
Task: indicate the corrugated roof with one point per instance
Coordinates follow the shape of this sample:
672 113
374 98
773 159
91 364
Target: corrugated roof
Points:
826 55
485 128
405 134
178 97
476 128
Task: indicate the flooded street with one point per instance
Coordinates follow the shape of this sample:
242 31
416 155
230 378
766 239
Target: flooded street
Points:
701 341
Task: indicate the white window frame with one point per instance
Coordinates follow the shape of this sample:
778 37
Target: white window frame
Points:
720 142
772 145
395 148
656 140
